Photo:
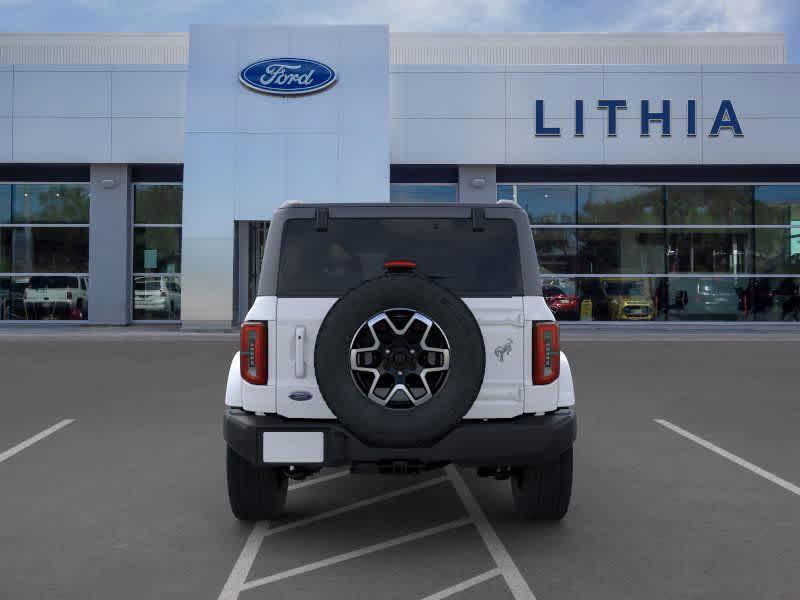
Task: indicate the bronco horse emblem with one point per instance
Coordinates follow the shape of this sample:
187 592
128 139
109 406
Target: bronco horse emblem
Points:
501 351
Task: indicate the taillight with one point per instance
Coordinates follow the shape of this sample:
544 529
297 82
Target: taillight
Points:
253 352
546 353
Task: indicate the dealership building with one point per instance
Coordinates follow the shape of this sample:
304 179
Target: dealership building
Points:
139 172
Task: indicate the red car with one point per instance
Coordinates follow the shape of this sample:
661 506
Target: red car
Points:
563 305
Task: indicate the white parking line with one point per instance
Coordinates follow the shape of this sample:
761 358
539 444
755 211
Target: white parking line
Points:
356 505
514 580
33 439
320 479
326 562
464 585
731 457
236 580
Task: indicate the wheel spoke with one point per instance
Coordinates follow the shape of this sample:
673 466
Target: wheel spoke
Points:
386 359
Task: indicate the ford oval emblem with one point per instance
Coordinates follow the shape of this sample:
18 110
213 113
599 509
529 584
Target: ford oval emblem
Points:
300 396
287 76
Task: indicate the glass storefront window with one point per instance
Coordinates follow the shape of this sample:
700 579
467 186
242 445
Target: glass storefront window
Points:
44 251
620 251
157 213
157 250
620 204
777 205
156 297
5 203
561 295
556 249
709 205
158 204
505 192
44 297
710 251
423 192
44 204
548 205
774 299
778 250
621 298
707 299
702 252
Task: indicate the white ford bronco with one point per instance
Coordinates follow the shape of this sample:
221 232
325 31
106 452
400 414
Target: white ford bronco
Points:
399 338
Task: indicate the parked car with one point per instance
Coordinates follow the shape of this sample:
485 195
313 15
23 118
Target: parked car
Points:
627 299
706 299
561 298
56 297
156 295
397 339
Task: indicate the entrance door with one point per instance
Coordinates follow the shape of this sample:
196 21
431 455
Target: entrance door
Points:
256 240
250 239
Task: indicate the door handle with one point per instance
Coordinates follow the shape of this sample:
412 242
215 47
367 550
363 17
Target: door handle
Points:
299 352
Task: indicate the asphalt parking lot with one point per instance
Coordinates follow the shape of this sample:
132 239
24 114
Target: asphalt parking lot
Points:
112 484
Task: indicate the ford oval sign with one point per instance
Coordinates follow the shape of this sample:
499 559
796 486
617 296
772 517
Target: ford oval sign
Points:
287 76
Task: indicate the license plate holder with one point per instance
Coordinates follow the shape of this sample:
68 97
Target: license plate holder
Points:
293 447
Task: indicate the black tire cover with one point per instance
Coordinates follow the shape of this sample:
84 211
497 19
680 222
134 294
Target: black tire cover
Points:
424 424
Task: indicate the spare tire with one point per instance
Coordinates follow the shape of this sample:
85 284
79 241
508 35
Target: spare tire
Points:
399 360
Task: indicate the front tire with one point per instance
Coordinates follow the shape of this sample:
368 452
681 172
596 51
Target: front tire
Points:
543 492
255 493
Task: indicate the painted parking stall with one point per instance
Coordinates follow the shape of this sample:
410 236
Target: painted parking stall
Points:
655 512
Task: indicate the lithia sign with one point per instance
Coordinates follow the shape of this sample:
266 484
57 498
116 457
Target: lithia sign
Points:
726 119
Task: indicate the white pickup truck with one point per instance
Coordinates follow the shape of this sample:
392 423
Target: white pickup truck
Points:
399 338
56 296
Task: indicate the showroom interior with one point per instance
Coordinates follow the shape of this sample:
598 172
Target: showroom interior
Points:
99 222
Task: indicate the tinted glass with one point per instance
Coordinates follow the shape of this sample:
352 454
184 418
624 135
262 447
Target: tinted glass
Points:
621 251
45 203
5 203
43 297
620 204
695 299
157 249
710 250
158 204
44 250
778 250
418 192
622 298
774 299
548 204
709 205
470 263
777 205
556 250
505 192
561 296
156 297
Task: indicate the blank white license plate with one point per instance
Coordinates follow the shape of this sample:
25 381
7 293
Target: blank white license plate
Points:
292 447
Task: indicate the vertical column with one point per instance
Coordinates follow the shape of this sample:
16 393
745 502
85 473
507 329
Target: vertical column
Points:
109 243
477 184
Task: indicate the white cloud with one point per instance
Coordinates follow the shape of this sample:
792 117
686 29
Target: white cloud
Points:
705 15
413 15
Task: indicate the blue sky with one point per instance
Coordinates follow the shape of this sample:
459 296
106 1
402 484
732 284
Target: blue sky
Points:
414 15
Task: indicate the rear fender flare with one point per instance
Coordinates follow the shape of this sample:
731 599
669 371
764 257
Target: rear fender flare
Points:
566 389
233 389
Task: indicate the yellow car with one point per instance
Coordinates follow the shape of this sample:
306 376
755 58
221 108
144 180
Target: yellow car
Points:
628 299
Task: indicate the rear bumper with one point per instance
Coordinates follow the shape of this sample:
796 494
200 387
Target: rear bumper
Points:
524 440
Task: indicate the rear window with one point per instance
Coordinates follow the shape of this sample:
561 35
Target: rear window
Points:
38 282
329 263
